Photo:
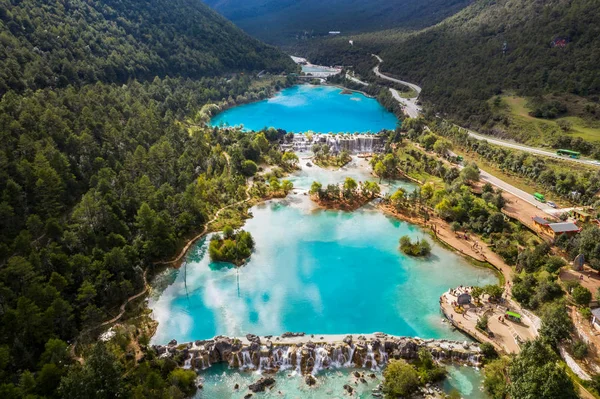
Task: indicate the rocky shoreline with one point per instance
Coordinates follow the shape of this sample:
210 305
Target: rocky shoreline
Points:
307 355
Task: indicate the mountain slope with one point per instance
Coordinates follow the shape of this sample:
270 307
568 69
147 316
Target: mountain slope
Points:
551 46
283 21
74 42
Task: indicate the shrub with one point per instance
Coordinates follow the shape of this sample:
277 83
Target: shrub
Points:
581 295
579 349
482 323
488 350
401 379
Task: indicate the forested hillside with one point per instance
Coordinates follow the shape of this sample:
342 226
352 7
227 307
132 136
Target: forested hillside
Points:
57 43
551 46
285 22
105 169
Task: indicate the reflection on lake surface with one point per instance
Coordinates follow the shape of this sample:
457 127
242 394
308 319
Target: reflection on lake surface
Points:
306 107
322 272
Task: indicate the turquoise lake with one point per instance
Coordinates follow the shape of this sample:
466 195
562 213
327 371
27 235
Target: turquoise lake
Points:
316 271
306 107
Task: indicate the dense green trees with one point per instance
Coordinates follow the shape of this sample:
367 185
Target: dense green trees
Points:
56 45
97 183
287 22
535 372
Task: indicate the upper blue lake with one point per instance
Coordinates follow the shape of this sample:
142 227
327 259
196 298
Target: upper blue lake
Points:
317 271
306 107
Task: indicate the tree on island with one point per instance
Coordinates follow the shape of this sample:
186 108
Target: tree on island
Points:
349 188
419 248
233 247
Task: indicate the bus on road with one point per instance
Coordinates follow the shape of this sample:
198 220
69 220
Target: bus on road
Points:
539 197
568 153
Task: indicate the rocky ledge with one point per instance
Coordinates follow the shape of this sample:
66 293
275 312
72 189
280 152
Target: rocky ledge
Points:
309 354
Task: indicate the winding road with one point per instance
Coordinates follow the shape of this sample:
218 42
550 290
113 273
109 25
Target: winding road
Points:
411 107
413 110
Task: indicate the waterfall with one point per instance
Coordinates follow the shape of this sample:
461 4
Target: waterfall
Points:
383 355
247 361
339 359
322 359
354 144
263 364
204 363
188 362
370 358
298 361
286 361
350 356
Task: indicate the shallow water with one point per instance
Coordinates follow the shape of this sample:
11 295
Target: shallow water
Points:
316 108
219 383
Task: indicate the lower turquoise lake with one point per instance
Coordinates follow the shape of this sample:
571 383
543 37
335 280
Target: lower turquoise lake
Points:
302 108
316 271
320 272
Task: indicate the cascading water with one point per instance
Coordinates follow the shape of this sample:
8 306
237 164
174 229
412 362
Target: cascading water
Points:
321 360
263 364
247 361
354 144
339 359
286 361
370 358
383 356
350 356
188 362
298 361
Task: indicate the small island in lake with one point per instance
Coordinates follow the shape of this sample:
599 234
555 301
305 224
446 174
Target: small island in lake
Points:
233 247
349 196
418 248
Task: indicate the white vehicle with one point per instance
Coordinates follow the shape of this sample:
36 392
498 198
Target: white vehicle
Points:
552 204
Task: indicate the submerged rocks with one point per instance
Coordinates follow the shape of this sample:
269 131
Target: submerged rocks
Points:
310 380
262 384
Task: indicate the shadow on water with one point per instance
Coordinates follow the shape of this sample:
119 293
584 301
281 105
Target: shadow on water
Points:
217 266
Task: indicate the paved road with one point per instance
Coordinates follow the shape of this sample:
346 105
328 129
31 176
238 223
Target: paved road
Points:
410 104
413 110
509 188
531 150
352 78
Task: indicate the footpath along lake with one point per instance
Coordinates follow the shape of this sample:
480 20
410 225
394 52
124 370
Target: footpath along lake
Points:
305 107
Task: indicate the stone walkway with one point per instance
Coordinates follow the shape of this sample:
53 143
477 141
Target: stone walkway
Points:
506 334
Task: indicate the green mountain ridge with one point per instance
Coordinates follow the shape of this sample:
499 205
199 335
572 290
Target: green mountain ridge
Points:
76 42
284 22
461 62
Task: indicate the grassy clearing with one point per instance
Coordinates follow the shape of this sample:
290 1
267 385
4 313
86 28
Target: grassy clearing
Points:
537 131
